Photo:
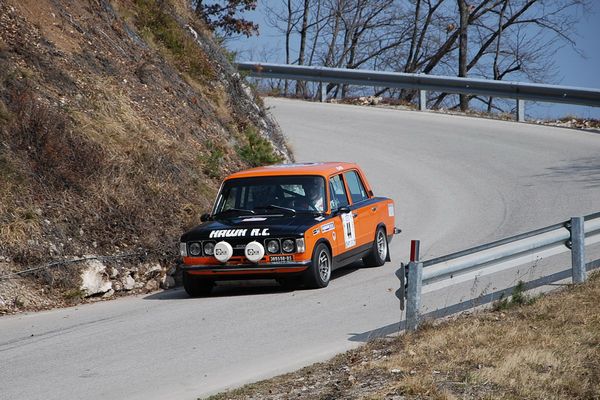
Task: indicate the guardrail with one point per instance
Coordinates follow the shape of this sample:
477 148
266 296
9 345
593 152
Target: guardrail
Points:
572 235
516 90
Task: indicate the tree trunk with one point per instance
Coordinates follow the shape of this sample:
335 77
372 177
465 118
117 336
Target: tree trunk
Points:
463 10
301 85
288 33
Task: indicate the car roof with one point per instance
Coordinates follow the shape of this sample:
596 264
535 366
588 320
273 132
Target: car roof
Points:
313 168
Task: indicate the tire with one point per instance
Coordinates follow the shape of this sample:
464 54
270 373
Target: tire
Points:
196 287
319 274
379 251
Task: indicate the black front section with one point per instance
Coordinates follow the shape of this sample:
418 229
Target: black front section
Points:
241 230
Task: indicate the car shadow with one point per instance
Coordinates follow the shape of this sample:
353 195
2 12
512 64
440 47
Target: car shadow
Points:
247 287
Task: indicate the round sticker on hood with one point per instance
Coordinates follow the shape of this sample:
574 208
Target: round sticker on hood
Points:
223 251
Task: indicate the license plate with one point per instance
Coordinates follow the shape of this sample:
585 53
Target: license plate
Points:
281 258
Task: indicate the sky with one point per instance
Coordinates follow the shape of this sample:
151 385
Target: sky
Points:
573 68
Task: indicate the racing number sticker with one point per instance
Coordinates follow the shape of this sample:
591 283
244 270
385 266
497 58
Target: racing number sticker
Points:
349 232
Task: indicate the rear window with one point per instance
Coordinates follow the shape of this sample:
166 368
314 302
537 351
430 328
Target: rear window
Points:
357 190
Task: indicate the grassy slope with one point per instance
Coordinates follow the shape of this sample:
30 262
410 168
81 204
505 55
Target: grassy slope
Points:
116 126
547 349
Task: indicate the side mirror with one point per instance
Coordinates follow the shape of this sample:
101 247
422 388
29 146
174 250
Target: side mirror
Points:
205 217
343 210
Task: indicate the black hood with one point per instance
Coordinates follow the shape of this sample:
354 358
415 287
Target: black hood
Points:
253 226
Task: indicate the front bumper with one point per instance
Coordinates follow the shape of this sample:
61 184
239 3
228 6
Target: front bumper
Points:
249 271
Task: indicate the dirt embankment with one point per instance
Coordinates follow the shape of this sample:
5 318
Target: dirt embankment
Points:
117 121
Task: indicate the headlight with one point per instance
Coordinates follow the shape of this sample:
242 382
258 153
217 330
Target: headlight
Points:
209 248
195 249
273 246
287 245
300 247
183 249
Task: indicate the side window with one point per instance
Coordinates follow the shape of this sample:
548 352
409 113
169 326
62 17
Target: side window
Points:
338 193
357 190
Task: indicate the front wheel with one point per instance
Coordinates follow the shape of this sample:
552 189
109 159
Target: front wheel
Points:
319 274
196 287
379 250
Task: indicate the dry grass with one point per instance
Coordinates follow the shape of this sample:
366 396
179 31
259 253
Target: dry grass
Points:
546 350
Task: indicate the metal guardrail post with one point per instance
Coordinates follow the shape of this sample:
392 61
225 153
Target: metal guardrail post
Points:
422 100
520 110
413 303
323 88
578 250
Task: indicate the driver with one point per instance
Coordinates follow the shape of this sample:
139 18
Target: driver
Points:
314 195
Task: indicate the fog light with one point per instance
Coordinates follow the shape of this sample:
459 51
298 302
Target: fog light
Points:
273 246
223 251
254 251
183 249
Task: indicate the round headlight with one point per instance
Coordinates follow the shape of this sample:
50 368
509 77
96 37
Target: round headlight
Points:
273 246
287 245
209 248
195 249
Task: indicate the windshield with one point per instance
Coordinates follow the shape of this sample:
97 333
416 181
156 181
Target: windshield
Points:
272 194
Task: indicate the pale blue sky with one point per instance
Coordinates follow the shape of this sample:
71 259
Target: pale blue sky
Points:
573 69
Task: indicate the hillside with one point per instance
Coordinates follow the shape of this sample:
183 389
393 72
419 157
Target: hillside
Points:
524 348
117 121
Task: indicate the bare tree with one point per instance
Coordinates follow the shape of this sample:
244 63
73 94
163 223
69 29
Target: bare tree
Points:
493 39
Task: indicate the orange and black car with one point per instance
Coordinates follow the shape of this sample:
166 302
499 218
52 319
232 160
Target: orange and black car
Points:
292 222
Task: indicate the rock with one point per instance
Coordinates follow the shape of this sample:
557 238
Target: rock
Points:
153 271
167 282
113 272
110 293
151 285
117 286
22 301
94 279
396 371
128 283
53 249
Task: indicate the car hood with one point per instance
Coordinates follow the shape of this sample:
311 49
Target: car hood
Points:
253 226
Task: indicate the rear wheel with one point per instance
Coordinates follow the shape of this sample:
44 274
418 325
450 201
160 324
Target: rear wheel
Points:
195 286
379 250
319 274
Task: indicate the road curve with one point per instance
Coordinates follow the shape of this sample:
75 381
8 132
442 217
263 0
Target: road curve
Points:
457 182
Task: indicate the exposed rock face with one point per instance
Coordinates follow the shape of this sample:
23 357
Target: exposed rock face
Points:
94 279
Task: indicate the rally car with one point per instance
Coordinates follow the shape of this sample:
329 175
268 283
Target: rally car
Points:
292 222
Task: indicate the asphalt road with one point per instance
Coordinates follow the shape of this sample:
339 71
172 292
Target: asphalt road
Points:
457 182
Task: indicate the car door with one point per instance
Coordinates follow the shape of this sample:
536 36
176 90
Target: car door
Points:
345 235
363 210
